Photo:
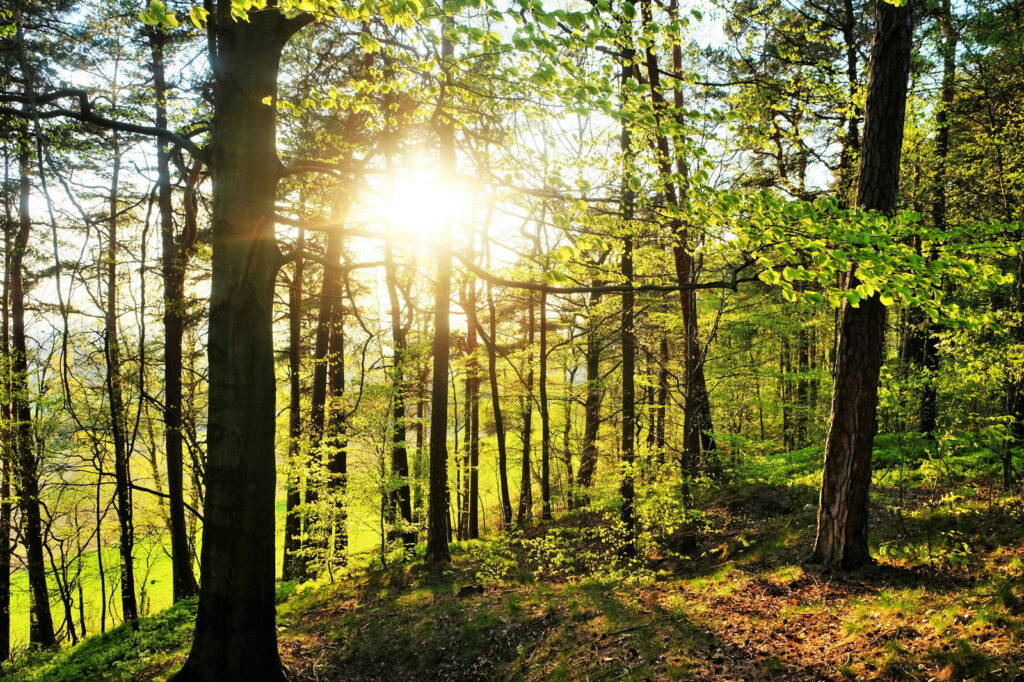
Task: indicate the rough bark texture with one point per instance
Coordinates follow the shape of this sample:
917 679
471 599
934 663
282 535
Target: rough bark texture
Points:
842 537
235 636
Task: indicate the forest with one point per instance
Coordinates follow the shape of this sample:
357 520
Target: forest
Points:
512 340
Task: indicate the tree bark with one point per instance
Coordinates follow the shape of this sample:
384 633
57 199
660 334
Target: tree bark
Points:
401 499
174 261
115 402
628 340
235 636
591 409
499 422
524 515
437 555
292 568
545 415
842 535
26 469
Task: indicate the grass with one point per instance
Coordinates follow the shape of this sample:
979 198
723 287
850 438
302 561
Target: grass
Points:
556 602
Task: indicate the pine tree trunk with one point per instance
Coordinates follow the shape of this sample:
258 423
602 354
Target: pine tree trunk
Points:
842 537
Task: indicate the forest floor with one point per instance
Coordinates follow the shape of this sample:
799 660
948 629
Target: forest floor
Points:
944 602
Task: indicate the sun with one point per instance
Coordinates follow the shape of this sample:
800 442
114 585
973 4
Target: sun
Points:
417 205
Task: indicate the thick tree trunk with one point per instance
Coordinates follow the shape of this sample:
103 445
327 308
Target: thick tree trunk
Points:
235 636
174 260
842 537
26 466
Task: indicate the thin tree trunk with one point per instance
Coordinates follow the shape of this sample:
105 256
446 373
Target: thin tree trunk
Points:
401 499
591 409
437 555
7 434
499 422
115 400
473 414
26 464
628 340
524 515
545 416
174 261
292 567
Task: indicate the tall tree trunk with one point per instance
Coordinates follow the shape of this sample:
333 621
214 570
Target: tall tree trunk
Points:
545 415
472 415
115 401
7 431
628 340
525 513
335 439
847 171
174 261
401 499
317 511
928 414
659 436
591 409
291 568
438 530
235 636
26 469
499 423
842 537
698 442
